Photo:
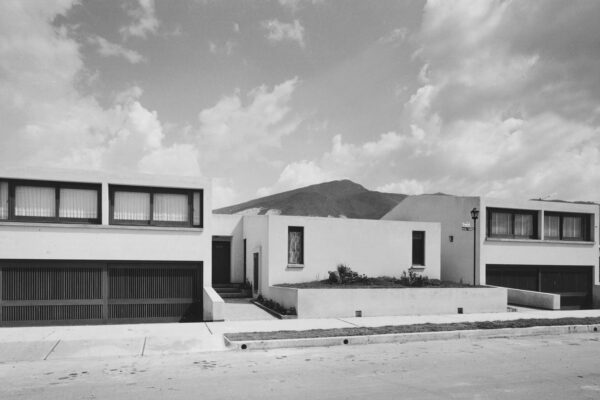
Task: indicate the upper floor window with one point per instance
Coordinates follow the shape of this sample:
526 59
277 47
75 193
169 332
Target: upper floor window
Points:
132 205
567 226
507 223
43 201
295 245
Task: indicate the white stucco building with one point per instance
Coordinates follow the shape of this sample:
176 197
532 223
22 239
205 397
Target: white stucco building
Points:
531 245
273 249
80 247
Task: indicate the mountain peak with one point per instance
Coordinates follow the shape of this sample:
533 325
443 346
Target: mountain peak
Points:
341 198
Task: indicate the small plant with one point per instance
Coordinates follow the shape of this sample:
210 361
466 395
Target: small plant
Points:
412 279
247 285
275 306
347 276
334 277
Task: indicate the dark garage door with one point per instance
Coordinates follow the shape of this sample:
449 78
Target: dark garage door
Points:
95 292
574 283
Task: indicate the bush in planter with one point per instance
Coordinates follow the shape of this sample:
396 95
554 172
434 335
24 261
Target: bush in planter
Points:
348 276
412 279
292 311
334 277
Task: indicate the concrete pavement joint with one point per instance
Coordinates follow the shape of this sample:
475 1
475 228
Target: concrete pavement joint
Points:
208 327
351 323
52 349
143 347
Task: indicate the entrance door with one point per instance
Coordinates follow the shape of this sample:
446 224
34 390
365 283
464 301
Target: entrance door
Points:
221 262
255 258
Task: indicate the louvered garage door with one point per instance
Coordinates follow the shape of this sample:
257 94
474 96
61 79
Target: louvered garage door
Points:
92 292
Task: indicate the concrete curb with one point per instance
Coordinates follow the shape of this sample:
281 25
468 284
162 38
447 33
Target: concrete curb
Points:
408 337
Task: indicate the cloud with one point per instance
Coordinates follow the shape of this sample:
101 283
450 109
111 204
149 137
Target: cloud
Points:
225 49
109 49
396 35
223 193
405 186
243 129
278 31
342 161
295 5
144 19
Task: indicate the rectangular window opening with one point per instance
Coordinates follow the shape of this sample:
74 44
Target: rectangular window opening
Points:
418 248
567 226
131 205
295 245
47 201
512 224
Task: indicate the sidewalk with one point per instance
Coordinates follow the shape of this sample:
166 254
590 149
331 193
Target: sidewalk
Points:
143 340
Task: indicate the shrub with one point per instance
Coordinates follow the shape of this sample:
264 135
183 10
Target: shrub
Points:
275 306
412 279
348 276
334 277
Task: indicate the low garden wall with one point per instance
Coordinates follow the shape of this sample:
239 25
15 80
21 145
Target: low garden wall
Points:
339 303
528 298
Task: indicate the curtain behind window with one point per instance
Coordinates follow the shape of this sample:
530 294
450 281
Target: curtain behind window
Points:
523 225
501 224
552 226
572 228
132 206
294 247
170 207
78 203
3 200
197 208
35 201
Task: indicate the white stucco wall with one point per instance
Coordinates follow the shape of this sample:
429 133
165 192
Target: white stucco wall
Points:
373 248
109 242
232 227
451 212
256 233
538 251
343 303
457 256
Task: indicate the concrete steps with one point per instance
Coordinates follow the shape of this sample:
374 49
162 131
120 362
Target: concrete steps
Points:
231 291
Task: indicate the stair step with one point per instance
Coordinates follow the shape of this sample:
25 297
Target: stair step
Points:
226 285
238 295
228 290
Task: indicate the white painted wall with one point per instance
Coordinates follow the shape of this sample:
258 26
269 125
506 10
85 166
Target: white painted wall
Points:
451 212
109 242
256 232
457 257
373 248
232 226
343 303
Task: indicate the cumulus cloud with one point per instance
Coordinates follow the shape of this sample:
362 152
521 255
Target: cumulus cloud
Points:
110 49
242 127
225 49
506 106
144 20
278 31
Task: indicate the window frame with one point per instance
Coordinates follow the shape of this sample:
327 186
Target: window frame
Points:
56 185
152 190
513 212
421 250
585 226
296 229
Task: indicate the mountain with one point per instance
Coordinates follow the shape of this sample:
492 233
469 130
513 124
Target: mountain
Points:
330 199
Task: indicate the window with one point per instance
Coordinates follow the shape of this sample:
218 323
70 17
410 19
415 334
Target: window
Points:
567 226
418 248
295 245
43 201
505 223
132 205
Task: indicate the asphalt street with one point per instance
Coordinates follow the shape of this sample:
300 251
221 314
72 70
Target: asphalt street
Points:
548 367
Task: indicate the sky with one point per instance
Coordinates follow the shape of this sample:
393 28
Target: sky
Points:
492 98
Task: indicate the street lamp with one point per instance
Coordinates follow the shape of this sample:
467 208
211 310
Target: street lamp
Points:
474 216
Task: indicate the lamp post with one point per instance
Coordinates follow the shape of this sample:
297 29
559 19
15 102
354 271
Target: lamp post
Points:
474 216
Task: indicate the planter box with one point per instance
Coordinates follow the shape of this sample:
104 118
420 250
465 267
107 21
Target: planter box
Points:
344 303
273 312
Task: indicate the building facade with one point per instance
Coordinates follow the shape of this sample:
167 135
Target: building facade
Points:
76 247
267 250
530 245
